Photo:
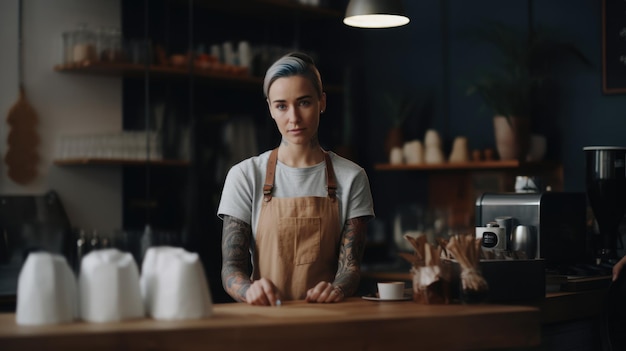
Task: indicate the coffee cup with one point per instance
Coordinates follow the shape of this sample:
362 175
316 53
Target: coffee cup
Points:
390 290
173 285
109 287
46 290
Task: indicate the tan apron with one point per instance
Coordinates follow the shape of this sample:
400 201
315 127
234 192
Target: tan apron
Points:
297 239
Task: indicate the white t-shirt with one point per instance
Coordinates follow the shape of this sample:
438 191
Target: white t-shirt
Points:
242 195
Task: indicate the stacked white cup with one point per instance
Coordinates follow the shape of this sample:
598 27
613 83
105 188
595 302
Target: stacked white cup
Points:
173 285
46 291
109 287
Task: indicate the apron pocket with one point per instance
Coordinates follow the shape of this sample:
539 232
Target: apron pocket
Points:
305 234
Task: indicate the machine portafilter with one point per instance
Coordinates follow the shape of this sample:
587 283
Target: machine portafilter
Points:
605 168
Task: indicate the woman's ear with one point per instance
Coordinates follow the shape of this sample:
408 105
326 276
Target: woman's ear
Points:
323 103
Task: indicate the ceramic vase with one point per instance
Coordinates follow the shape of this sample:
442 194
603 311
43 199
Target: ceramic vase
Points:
512 137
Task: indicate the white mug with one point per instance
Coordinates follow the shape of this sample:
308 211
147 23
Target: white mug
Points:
109 287
391 290
173 285
47 290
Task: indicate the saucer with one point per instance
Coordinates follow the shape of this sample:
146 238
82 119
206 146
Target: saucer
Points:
374 298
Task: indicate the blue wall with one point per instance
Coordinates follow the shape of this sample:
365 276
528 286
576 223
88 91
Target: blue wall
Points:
430 54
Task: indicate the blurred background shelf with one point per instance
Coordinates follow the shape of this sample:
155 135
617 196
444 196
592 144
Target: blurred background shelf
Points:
136 70
468 166
119 162
454 187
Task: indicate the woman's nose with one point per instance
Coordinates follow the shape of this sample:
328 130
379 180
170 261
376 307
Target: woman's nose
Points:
294 115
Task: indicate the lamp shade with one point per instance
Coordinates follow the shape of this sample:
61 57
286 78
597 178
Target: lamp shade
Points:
375 14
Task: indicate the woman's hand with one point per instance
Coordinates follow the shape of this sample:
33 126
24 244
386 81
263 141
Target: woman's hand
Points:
262 292
324 292
618 267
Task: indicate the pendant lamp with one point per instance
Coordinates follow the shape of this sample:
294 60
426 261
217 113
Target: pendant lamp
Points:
375 14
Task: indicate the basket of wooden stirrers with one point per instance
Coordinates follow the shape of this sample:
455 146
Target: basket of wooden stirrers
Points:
466 250
431 276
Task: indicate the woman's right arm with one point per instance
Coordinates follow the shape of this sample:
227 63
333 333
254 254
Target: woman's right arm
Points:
617 268
236 239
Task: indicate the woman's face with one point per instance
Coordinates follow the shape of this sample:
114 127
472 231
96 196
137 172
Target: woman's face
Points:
296 109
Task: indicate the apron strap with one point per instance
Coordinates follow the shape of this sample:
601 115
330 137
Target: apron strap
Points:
331 180
270 172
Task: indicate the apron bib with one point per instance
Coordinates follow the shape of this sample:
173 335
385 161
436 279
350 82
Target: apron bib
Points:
297 239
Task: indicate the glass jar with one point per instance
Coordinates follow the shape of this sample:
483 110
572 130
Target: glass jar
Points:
84 45
110 48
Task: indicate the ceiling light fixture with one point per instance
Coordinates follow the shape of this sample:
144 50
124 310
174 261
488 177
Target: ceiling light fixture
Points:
375 14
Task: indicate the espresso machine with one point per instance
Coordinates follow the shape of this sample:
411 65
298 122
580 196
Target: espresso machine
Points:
555 219
605 178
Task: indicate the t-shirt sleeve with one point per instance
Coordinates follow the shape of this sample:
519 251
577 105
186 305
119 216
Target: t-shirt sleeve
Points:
236 200
361 202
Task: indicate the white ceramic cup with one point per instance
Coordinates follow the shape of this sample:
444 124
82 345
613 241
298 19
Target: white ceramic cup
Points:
109 287
391 290
46 290
173 284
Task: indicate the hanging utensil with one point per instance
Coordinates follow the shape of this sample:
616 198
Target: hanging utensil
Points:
22 157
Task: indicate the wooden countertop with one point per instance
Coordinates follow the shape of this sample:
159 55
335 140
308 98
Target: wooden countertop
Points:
585 300
354 324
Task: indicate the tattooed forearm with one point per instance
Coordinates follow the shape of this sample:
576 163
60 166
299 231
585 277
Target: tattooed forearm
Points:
350 255
236 239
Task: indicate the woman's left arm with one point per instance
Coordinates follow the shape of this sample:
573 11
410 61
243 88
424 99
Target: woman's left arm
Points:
349 266
350 255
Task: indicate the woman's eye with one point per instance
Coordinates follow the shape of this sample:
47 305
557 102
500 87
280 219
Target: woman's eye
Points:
281 107
305 103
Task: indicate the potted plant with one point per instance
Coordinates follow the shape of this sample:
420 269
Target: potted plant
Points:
515 87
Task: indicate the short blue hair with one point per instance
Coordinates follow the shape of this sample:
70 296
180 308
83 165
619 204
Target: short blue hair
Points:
293 64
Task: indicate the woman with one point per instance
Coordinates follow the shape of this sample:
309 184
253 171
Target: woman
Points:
297 213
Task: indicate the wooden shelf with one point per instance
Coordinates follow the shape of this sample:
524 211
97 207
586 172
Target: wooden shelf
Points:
455 186
138 70
468 166
134 70
119 162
